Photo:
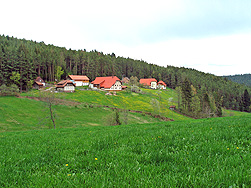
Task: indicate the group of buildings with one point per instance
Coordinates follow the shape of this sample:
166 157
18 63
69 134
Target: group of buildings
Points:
109 83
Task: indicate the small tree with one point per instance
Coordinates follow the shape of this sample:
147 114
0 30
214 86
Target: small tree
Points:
15 77
117 119
156 106
49 98
59 72
134 81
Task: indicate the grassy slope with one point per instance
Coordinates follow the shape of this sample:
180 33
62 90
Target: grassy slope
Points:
193 153
126 100
26 114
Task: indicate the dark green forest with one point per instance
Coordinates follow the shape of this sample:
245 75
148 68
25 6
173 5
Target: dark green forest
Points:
240 78
23 60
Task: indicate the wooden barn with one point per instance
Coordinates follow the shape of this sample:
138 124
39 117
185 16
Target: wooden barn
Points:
66 86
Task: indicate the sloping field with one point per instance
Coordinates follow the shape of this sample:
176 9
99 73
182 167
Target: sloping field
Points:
193 153
126 100
17 114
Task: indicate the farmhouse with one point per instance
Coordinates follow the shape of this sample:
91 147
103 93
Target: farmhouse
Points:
38 83
151 82
66 86
110 83
161 85
80 80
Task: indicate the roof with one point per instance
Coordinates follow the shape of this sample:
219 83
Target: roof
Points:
39 79
39 83
125 80
106 82
64 82
79 77
147 81
162 83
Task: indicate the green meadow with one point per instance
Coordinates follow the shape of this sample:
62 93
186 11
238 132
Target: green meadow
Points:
193 153
146 152
20 114
125 100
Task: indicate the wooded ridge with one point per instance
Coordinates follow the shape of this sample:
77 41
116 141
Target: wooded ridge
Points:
21 61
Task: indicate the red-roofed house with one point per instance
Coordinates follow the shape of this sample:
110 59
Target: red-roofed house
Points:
111 83
80 80
161 85
66 86
151 82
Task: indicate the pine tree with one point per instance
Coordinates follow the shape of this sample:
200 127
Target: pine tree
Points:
246 101
186 94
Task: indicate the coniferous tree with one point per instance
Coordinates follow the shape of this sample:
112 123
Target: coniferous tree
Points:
246 101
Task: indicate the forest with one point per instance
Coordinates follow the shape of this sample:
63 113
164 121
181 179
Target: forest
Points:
240 78
21 61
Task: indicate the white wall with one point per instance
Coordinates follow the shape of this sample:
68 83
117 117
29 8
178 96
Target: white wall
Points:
154 85
69 88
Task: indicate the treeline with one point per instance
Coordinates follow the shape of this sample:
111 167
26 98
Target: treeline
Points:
241 79
22 60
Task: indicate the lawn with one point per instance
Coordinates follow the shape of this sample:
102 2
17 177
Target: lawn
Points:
193 153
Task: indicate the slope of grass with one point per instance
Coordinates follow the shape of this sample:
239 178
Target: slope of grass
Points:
27 114
193 153
126 100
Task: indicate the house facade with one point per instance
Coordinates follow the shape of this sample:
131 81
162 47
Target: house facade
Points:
161 85
80 80
109 83
66 86
151 82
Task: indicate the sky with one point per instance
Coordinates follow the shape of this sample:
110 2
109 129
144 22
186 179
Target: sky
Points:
212 36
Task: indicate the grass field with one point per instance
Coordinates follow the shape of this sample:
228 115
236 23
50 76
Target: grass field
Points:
212 152
18 114
125 100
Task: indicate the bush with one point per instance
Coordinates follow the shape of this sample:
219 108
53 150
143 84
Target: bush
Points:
12 90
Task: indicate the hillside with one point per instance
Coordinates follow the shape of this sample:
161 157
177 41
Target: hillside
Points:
30 59
21 114
193 153
241 79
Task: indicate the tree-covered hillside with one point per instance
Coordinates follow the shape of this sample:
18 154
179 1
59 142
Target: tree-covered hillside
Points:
241 79
22 60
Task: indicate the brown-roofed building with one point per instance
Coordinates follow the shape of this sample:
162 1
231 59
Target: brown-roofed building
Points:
38 83
80 80
111 83
151 82
66 86
161 85
125 80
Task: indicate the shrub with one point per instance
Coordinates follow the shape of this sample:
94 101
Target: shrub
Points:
12 90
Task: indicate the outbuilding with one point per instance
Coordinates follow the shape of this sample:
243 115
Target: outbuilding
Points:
80 80
66 86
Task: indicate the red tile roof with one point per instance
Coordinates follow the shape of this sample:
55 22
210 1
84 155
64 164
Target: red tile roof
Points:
106 82
147 81
79 77
64 82
161 83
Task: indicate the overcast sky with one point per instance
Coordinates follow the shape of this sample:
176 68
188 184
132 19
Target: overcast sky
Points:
213 36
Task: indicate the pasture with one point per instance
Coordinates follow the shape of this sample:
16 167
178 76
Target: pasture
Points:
193 153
